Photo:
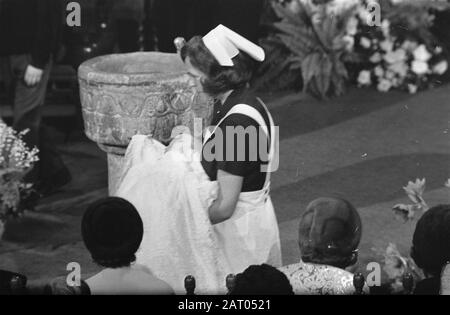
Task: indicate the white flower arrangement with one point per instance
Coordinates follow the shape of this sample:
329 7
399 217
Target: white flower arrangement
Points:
399 53
364 78
441 67
365 42
395 57
419 67
396 64
421 53
15 161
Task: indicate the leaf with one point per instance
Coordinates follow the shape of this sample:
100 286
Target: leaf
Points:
325 33
353 57
284 13
340 69
295 63
395 265
292 29
309 66
301 38
415 190
317 49
324 76
404 213
296 47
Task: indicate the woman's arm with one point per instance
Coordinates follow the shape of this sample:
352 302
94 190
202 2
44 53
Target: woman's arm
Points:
229 189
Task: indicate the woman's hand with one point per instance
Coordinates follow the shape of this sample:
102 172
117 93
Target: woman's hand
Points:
32 75
229 189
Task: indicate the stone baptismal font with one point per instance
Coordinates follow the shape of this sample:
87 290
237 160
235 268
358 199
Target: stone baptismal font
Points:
139 93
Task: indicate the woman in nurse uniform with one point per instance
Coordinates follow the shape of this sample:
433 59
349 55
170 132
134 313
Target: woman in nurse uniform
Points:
244 218
211 215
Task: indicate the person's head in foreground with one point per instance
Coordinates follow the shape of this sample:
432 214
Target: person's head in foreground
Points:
431 247
261 280
112 231
329 233
221 61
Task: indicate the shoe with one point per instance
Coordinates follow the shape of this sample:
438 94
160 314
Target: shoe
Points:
53 184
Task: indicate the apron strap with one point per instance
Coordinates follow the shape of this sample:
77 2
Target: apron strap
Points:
244 110
273 146
251 112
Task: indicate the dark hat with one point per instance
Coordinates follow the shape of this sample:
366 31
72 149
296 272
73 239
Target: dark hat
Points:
431 240
261 280
329 227
112 230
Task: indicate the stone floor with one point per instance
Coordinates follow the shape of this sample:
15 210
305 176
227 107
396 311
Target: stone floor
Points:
363 146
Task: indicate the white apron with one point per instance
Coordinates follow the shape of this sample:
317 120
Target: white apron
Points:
173 195
251 235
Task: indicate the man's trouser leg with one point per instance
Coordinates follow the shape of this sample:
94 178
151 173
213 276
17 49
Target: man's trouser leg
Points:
28 103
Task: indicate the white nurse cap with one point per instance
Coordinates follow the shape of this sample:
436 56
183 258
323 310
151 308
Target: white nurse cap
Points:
225 44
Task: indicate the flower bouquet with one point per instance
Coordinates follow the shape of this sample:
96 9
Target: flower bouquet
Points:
401 53
396 266
15 162
325 43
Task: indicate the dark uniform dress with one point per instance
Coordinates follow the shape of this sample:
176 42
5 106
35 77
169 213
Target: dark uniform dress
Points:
249 167
251 235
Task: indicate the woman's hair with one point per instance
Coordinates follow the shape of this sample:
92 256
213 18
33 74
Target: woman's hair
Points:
431 241
113 263
219 79
331 258
261 280
329 232
112 232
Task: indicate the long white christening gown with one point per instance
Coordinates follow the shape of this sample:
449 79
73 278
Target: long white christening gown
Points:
172 193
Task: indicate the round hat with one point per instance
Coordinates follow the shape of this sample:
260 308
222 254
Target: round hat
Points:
431 239
112 229
329 226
